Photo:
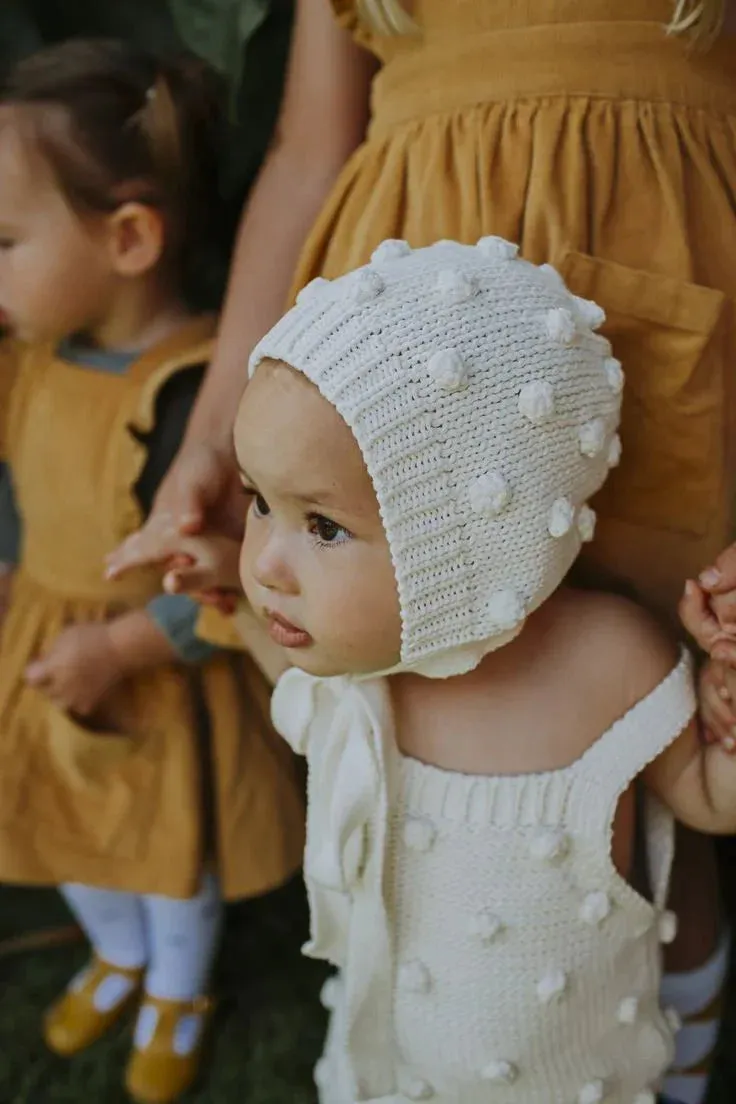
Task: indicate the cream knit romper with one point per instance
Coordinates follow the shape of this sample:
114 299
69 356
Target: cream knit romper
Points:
489 952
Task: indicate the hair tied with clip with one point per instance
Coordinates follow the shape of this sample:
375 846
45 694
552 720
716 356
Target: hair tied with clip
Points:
158 121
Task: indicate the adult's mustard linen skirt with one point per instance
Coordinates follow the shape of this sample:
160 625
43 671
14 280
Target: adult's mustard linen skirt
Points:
581 130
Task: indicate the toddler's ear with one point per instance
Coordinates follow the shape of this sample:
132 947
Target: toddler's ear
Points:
136 238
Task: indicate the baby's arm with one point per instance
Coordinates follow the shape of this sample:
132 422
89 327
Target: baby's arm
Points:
703 618
697 781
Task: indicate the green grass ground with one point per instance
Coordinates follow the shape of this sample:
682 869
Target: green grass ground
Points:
268 1030
267 1034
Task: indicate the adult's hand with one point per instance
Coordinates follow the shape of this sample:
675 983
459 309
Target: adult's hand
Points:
201 491
719 582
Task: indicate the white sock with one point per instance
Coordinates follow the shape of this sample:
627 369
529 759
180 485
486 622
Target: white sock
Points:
113 922
183 937
690 994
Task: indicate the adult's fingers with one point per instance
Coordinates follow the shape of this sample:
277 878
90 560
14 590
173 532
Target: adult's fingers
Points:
697 616
154 544
720 577
193 486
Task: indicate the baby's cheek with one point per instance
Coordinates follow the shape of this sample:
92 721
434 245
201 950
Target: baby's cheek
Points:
376 623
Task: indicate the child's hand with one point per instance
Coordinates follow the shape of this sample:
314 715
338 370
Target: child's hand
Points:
710 617
698 617
718 587
719 582
201 492
78 670
156 544
717 697
207 568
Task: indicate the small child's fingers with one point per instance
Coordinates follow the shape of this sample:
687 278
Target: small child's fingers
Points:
181 559
188 579
724 651
224 601
697 617
719 712
723 607
726 683
176 565
717 716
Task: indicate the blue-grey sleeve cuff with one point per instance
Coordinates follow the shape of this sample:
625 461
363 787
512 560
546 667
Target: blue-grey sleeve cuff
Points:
176 615
9 520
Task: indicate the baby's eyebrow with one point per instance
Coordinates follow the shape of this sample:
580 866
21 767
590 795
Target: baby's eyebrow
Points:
321 496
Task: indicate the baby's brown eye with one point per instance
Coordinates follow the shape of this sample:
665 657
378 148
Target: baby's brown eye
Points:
260 506
327 531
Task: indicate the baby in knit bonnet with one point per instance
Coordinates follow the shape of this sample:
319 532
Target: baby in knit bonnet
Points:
419 443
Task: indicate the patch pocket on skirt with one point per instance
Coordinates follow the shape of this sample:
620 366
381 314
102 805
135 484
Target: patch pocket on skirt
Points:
670 338
98 786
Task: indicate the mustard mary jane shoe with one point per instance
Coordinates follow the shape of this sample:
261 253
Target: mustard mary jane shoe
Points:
168 1048
89 1007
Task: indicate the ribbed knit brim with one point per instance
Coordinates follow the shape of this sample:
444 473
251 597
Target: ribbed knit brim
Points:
486 409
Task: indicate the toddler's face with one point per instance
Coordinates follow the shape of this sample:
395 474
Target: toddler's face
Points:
315 562
54 268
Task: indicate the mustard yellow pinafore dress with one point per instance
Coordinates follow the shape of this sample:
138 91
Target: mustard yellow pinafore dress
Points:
142 800
579 129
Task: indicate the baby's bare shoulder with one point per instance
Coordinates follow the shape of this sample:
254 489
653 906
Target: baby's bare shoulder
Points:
617 652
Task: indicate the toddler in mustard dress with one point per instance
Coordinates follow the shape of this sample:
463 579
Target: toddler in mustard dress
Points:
139 773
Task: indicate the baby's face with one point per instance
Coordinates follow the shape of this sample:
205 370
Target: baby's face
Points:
315 563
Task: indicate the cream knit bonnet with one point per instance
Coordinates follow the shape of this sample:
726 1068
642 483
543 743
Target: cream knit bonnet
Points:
486 409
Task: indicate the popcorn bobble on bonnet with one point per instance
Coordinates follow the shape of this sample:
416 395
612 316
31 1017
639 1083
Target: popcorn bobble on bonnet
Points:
486 409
